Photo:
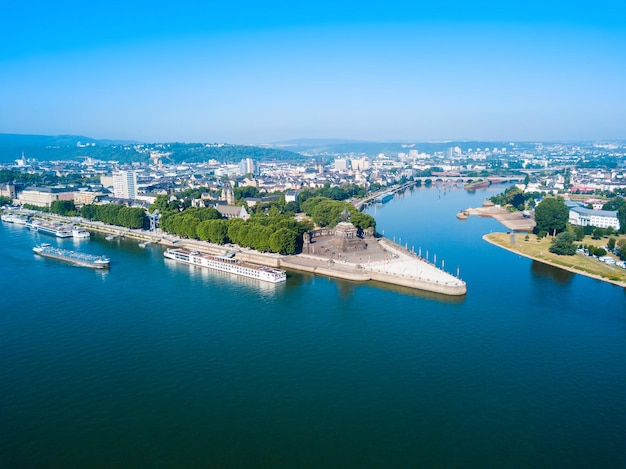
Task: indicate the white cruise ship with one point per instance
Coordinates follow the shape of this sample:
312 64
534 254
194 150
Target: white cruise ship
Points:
51 228
14 218
226 263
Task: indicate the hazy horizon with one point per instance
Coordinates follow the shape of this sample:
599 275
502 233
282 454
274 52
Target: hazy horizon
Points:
248 73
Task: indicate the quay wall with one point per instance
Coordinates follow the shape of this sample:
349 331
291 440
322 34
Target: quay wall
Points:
308 264
313 268
270 260
302 263
418 284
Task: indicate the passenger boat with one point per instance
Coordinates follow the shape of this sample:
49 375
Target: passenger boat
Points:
14 218
73 257
226 263
80 233
387 196
55 229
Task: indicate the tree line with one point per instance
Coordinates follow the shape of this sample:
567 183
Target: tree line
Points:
114 214
264 232
327 212
516 198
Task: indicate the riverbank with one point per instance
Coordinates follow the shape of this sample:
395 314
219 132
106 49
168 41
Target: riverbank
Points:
384 261
514 221
392 265
539 251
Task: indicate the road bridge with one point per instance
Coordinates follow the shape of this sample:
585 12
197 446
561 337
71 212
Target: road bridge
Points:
437 180
467 179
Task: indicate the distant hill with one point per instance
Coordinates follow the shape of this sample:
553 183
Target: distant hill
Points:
20 140
51 147
68 147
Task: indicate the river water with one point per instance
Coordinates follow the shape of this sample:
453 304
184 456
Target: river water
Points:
155 364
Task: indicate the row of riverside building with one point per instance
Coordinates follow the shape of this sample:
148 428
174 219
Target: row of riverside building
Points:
124 187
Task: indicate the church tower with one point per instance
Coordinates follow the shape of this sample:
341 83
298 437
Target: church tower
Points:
228 195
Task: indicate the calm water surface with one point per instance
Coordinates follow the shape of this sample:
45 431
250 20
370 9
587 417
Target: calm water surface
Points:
154 364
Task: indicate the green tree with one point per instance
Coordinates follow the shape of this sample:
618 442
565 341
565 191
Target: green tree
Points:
161 203
563 244
597 233
308 205
5 201
292 207
621 249
519 201
551 215
362 220
283 241
63 207
245 191
611 244
88 211
579 232
599 252
327 212
618 203
218 231
234 229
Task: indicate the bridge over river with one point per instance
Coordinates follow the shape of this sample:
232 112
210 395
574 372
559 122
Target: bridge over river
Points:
437 180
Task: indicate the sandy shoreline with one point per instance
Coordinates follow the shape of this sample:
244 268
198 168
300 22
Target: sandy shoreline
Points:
513 221
553 264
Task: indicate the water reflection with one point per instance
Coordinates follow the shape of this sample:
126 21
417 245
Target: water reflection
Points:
545 270
418 293
224 279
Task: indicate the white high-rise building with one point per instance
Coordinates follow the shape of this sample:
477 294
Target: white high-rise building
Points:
342 164
248 166
125 184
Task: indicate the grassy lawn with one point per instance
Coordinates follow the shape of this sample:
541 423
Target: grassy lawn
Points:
578 263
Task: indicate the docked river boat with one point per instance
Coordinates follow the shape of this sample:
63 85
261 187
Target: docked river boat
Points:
14 218
80 233
73 257
51 228
226 263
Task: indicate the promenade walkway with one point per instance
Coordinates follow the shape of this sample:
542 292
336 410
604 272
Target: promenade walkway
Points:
408 264
383 260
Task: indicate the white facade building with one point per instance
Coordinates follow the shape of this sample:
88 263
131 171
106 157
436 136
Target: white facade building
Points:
342 164
125 184
248 166
587 217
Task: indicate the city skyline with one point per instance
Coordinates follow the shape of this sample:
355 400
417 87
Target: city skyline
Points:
255 73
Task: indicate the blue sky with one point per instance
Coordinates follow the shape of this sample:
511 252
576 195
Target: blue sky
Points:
254 72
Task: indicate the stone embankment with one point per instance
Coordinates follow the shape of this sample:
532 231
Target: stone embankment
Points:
387 262
396 266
